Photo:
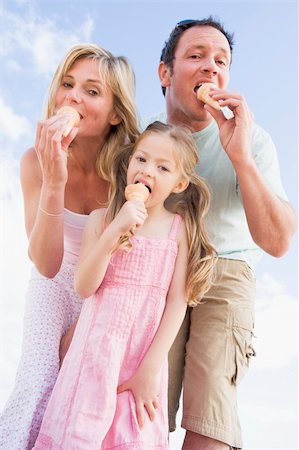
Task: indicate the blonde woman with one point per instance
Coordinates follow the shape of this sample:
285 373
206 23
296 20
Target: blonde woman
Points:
64 179
111 392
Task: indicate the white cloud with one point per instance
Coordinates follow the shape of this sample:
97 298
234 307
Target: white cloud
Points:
275 325
261 421
14 271
87 28
13 65
267 287
12 125
41 39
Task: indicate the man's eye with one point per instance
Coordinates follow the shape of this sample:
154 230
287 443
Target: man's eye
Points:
221 62
197 56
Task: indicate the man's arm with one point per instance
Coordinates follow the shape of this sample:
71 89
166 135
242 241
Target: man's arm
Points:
271 221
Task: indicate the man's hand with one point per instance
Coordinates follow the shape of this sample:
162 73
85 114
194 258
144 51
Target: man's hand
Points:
235 133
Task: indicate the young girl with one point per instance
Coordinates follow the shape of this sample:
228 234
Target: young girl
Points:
112 388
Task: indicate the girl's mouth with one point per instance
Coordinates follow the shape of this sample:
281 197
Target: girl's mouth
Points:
146 185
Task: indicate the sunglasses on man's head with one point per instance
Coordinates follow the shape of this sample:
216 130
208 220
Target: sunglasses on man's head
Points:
185 23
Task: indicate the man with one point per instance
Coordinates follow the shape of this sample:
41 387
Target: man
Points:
249 212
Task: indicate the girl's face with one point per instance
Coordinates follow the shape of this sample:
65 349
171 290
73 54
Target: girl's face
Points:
153 164
82 88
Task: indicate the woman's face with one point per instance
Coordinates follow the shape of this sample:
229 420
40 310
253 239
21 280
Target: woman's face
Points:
82 88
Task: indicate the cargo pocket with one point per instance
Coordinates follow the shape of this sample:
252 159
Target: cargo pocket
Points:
242 331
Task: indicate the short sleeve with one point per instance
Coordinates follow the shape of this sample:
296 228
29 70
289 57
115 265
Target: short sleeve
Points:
265 156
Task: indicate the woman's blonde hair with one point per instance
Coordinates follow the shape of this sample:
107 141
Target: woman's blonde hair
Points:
192 204
117 74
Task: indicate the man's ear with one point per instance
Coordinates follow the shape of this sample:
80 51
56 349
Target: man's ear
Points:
181 186
164 74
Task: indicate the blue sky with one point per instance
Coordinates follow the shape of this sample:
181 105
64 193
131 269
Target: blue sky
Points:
34 37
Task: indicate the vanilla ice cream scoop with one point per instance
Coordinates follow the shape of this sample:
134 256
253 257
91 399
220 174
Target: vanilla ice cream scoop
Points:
136 192
203 95
74 118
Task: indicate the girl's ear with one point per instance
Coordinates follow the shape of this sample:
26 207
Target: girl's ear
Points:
181 186
164 74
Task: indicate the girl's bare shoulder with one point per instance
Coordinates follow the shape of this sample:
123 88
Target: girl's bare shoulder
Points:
182 235
96 220
97 214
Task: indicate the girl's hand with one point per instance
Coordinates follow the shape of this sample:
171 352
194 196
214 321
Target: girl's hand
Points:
131 215
145 390
52 149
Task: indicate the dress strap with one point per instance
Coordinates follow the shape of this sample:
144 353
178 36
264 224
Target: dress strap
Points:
176 223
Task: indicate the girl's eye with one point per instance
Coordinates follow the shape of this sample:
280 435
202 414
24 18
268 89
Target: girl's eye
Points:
164 169
140 159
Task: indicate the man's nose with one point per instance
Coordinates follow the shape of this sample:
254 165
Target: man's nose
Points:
209 66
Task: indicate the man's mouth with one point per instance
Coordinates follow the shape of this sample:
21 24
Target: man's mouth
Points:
204 82
197 87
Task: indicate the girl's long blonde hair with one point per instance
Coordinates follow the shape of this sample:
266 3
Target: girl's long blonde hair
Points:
117 74
192 204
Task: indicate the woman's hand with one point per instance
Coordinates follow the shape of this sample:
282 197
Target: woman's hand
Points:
145 390
52 149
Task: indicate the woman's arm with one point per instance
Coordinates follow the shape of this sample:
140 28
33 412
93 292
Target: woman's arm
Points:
45 232
43 179
143 384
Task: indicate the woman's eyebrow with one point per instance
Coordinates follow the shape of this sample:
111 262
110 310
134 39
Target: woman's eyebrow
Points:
91 80
88 80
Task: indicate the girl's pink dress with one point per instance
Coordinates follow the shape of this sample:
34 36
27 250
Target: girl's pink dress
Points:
114 331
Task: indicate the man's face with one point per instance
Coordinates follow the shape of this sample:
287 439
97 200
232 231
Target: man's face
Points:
202 55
